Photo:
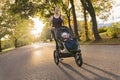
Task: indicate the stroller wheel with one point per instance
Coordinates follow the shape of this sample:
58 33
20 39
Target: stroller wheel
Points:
56 57
78 59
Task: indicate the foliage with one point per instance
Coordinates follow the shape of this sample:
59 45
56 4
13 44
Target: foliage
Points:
81 30
23 8
88 6
46 34
102 29
7 44
102 8
6 21
117 24
15 23
113 32
41 8
21 33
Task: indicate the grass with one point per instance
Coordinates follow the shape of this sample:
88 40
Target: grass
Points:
106 40
103 41
6 50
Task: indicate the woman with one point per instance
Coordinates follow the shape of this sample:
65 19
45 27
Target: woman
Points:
56 21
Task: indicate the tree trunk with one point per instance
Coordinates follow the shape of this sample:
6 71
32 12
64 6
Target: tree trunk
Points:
0 46
68 17
75 20
94 22
94 28
86 26
67 12
15 43
89 7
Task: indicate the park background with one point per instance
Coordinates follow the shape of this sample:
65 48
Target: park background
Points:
24 22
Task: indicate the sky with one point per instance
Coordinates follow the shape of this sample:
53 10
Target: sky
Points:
116 10
114 17
115 13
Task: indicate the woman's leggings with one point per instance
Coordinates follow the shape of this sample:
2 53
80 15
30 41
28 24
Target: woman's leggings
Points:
54 31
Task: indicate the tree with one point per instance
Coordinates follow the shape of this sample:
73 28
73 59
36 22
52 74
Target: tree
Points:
67 11
21 31
75 20
89 7
5 27
46 33
24 8
86 26
6 21
102 8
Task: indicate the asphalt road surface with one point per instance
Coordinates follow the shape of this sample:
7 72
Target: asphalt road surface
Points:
35 62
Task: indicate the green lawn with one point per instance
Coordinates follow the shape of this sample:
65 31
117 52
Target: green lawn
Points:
8 49
103 41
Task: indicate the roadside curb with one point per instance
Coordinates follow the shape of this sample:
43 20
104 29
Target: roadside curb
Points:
2 53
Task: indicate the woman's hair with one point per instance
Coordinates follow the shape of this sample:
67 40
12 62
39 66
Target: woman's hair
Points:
55 7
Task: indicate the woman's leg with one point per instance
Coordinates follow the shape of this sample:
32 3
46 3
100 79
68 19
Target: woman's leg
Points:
54 36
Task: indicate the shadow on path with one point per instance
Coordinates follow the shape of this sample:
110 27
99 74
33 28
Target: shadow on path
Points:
74 70
66 73
116 77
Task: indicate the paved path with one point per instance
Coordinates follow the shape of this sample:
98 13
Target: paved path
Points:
35 62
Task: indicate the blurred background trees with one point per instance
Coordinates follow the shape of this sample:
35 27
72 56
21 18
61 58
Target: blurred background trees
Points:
81 16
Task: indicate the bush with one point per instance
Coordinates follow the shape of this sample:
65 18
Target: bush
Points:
103 29
113 32
46 34
7 44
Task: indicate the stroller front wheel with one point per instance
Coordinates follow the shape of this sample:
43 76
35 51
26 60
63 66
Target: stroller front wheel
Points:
56 57
78 59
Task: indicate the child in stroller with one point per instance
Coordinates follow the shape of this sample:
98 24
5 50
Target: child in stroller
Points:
68 46
65 36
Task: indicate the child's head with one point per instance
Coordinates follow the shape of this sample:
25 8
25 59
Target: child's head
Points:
65 35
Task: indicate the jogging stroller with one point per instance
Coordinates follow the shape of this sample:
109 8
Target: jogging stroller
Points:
68 46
